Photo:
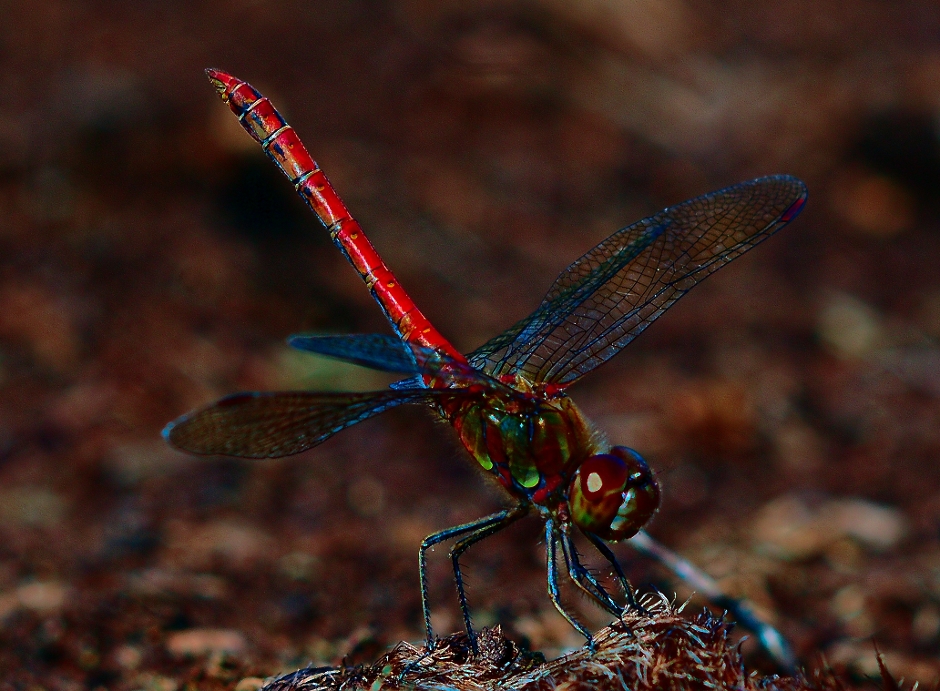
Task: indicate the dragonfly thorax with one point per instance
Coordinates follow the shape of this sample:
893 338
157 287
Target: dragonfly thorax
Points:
532 446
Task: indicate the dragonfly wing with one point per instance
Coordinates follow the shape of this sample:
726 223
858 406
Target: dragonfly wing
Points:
376 351
271 425
609 296
385 353
409 383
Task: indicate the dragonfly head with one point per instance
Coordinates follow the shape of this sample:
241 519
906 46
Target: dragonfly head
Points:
613 494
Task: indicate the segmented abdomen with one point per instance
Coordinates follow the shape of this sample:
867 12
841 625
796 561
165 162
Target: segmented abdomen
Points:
279 140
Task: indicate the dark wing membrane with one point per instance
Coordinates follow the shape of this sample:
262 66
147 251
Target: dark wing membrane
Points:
376 351
271 425
610 295
387 354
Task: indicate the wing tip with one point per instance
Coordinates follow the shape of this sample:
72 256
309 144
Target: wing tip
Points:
167 431
793 188
801 192
794 209
171 435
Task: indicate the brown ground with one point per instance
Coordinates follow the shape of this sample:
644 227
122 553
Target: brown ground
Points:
153 260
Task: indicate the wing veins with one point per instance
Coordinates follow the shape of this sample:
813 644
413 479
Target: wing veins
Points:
276 424
578 325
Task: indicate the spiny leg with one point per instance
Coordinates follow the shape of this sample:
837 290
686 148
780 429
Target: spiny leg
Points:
439 537
551 540
577 571
771 639
606 552
512 515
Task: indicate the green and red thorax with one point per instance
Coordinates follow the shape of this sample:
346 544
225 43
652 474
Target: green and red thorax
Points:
532 444
544 452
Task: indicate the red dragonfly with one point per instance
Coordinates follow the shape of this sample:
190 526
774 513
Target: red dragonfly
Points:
507 399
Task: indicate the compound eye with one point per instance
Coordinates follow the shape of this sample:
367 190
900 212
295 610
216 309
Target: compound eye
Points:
613 494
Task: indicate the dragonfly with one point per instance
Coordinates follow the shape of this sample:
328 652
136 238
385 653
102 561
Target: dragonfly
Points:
507 400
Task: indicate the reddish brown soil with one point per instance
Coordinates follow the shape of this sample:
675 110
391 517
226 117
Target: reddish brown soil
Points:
153 259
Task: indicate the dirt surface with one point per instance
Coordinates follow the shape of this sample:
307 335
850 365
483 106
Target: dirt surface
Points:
153 260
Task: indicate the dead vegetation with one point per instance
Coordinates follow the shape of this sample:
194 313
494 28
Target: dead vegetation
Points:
666 651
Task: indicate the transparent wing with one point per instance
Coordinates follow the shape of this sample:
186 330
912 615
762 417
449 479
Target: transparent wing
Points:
609 296
271 425
391 354
376 351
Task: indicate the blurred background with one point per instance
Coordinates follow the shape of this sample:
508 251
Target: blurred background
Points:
153 259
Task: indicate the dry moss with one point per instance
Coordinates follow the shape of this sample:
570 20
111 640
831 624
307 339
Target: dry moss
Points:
664 651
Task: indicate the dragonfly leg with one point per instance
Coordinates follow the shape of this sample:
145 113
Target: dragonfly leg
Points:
551 549
606 552
577 572
770 639
491 523
512 515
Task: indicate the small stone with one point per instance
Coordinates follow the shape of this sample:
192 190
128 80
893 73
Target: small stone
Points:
196 546
850 327
196 642
790 529
32 505
250 684
784 527
926 624
156 682
43 597
849 602
876 527
131 464
299 566
798 448
128 656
